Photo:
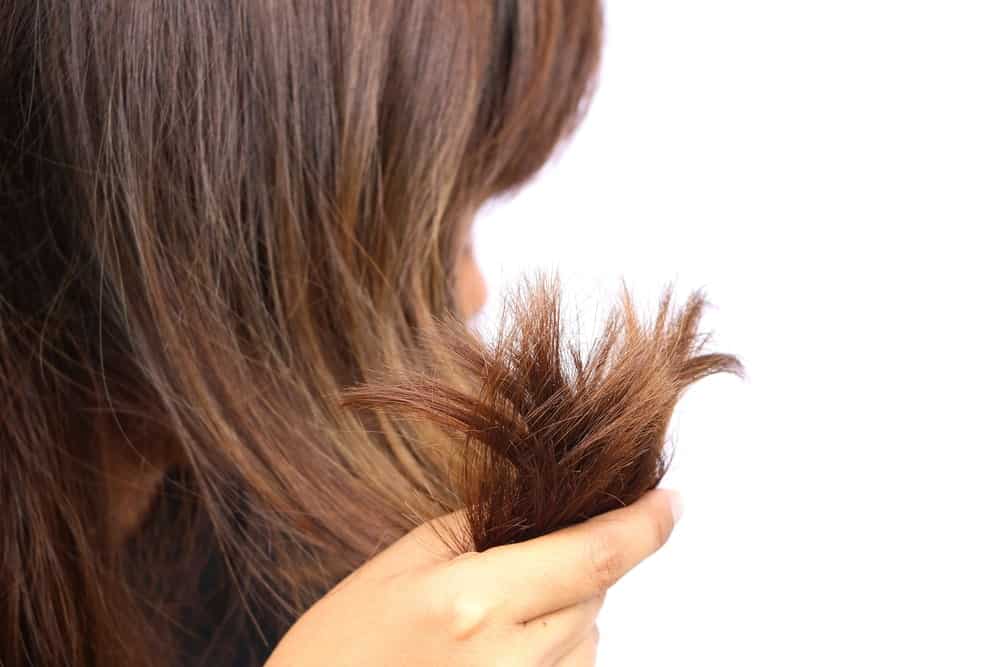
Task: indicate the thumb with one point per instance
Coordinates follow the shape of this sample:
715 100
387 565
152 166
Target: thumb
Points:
436 541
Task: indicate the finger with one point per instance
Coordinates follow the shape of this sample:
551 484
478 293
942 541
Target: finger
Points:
584 654
577 563
430 543
554 635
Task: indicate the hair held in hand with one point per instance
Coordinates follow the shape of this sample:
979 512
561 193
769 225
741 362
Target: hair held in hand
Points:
554 433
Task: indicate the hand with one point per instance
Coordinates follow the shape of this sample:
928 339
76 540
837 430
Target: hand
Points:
532 603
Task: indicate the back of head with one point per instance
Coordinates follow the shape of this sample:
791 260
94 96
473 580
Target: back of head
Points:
213 217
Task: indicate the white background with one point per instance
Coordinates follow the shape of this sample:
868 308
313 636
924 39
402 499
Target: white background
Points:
829 172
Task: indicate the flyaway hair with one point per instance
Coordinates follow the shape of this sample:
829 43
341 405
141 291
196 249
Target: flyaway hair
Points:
554 434
215 218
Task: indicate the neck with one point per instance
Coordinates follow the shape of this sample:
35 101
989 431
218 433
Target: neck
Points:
134 468
131 490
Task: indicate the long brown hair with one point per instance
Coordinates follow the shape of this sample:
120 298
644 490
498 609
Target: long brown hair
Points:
214 216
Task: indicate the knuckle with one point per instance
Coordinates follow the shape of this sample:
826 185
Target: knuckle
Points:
459 607
606 560
467 614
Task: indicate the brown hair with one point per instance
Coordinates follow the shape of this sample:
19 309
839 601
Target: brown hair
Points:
213 217
554 434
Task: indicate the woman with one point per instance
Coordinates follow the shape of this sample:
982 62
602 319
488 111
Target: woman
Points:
215 216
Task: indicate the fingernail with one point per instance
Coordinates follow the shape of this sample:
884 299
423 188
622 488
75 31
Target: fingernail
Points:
676 504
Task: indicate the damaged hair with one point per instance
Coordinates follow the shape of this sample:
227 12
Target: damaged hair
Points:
554 434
